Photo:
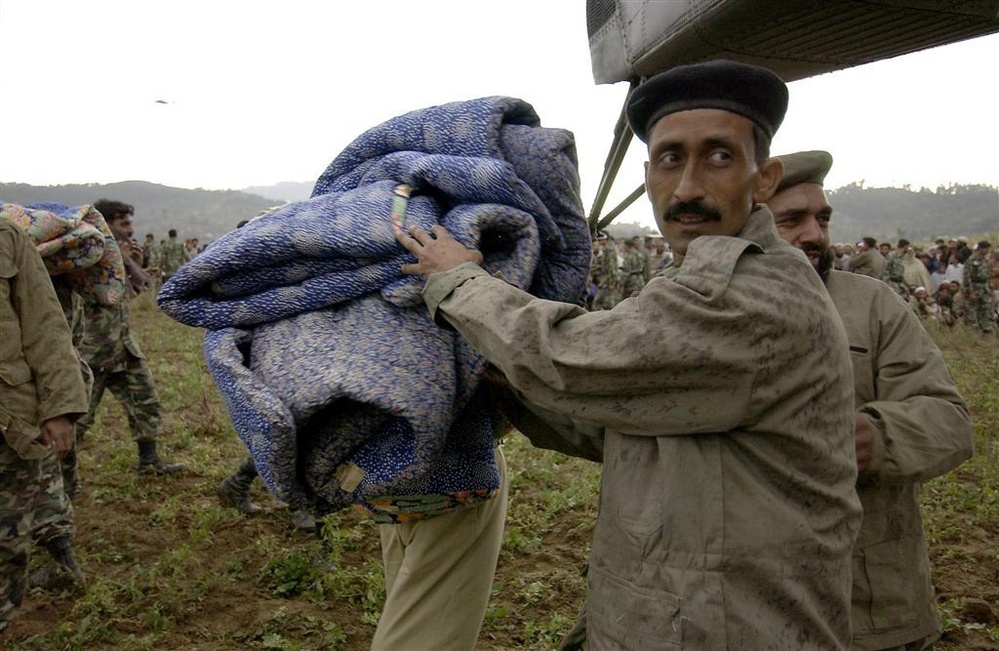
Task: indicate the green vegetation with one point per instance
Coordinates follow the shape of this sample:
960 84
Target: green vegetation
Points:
169 568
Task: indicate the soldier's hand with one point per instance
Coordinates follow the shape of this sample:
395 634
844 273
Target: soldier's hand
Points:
863 437
435 250
58 433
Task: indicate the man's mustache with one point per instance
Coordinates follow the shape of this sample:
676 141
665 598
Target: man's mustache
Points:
813 248
685 208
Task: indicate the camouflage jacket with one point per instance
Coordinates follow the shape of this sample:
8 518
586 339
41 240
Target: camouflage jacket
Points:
728 508
976 277
632 271
607 270
893 271
172 257
39 373
107 341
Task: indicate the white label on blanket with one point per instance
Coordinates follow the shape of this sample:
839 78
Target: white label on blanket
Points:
349 476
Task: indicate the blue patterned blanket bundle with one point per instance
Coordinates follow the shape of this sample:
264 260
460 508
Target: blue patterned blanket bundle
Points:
342 388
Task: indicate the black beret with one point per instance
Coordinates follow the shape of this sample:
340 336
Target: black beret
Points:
751 91
804 167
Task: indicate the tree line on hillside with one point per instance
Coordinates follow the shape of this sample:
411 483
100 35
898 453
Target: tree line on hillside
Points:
204 214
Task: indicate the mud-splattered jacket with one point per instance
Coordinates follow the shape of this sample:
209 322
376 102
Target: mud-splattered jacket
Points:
39 374
724 420
903 387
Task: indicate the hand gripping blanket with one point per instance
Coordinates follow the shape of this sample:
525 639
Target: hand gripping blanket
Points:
74 242
340 385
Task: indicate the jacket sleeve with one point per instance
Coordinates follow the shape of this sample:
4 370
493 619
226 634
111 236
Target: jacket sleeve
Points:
550 430
923 422
45 337
639 369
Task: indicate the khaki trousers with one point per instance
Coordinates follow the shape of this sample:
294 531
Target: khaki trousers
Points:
438 576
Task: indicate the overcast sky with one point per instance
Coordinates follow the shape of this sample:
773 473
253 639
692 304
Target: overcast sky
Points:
259 92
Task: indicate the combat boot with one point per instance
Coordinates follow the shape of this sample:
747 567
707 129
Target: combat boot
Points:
234 491
150 462
302 521
62 572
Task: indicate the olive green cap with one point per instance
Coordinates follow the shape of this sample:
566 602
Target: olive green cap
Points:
804 167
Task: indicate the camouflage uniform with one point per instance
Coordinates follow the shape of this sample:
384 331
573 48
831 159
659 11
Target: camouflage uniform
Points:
632 272
59 479
172 256
39 380
893 273
979 310
608 282
118 365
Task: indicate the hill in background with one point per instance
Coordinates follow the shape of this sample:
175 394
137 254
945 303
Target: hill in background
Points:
917 215
859 211
204 214
286 191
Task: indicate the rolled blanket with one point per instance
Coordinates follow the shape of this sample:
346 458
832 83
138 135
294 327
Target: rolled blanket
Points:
336 379
74 242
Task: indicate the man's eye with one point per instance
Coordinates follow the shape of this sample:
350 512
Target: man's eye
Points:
720 156
669 158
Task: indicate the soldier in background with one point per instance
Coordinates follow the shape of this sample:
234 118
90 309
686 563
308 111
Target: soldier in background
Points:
41 394
633 268
893 273
910 423
115 358
173 255
868 261
607 273
979 310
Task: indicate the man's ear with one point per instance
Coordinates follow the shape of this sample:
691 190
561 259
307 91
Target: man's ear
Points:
771 172
647 193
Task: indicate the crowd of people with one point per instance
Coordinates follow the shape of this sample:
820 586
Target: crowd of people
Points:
763 418
161 261
931 278
946 282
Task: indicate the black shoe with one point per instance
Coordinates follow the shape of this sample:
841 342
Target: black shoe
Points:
159 467
62 573
150 462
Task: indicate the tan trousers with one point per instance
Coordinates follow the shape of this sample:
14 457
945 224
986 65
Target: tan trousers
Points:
438 576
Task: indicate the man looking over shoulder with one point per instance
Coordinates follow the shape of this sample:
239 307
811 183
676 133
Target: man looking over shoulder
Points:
724 421
911 424
116 361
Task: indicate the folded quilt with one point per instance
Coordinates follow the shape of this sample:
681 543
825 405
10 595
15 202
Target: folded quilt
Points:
75 243
342 388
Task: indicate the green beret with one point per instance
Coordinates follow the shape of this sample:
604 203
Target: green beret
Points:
804 167
750 91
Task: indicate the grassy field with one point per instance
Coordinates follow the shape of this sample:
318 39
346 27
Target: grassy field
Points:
169 568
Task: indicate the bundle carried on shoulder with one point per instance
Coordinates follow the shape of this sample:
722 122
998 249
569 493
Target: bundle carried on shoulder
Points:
74 242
